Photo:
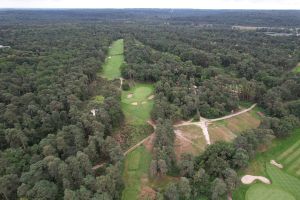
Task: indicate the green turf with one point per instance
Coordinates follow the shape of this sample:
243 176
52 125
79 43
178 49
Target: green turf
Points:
99 99
111 68
283 180
280 150
140 113
267 192
136 165
297 69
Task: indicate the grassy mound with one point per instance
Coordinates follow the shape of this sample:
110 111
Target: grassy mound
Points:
267 192
135 166
136 104
111 68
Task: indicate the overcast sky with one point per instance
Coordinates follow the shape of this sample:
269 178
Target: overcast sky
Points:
200 4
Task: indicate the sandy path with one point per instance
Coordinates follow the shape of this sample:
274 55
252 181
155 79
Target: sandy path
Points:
137 145
203 123
248 179
121 82
178 133
273 162
232 115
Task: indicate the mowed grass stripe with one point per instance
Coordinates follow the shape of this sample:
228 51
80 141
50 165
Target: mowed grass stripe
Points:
291 157
295 166
289 151
267 192
283 180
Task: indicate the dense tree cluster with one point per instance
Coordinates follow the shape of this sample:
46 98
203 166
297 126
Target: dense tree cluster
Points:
49 140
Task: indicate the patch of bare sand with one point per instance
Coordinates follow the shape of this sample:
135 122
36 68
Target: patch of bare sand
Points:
134 103
129 96
248 179
151 97
273 162
146 193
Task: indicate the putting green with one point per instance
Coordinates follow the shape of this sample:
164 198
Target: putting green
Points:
267 192
137 104
111 68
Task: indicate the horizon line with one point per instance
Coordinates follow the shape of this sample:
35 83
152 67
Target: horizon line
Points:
108 8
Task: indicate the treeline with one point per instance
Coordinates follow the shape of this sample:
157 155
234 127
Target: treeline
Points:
49 140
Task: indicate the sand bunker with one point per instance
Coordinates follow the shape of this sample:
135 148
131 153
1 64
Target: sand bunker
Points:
144 102
129 96
109 57
151 97
273 162
134 103
248 179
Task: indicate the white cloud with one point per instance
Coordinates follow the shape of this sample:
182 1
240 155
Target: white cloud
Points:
200 4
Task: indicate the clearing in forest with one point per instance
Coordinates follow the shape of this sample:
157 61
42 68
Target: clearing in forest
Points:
297 69
189 139
136 165
228 129
112 66
135 103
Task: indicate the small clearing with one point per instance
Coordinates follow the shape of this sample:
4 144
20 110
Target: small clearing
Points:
248 179
273 162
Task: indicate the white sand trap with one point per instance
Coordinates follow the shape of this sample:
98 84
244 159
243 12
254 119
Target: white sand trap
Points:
151 97
273 162
129 96
134 103
248 179
109 57
144 102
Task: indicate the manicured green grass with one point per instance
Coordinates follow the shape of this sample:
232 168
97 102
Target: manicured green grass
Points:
280 150
297 69
140 113
115 59
283 180
136 165
267 192
117 47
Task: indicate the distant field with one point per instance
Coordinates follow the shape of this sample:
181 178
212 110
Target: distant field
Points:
297 68
137 103
111 68
228 129
285 152
195 135
135 166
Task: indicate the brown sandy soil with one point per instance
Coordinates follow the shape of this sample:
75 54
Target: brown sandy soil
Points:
220 133
149 143
147 193
182 146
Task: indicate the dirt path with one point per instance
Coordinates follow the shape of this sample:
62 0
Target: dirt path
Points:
232 115
203 123
121 82
137 145
178 133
